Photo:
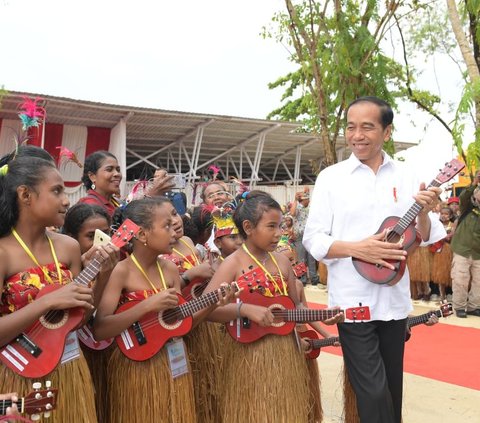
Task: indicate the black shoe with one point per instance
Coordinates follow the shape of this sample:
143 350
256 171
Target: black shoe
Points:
461 313
475 312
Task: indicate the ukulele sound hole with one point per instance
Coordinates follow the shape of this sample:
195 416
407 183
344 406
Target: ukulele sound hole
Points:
278 320
394 237
169 320
54 319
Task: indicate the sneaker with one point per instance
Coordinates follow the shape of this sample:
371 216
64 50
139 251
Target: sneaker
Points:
475 312
461 313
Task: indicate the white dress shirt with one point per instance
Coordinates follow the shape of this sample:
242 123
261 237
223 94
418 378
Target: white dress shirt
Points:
349 203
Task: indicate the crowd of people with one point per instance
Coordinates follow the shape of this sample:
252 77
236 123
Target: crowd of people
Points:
221 352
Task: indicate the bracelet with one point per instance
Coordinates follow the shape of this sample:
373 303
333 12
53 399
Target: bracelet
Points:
239 306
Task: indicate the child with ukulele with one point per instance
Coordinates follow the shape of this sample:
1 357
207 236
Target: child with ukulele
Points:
81 221
146 277
266 380
316 411
203 342
32 198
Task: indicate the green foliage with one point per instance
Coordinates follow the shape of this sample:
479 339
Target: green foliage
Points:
429 30
3 93
339 58
468 102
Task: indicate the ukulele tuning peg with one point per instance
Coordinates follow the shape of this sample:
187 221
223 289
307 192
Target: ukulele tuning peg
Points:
48 384
35 417
47 414
37 385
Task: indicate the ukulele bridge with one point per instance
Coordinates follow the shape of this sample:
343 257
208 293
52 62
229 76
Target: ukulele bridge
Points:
28 345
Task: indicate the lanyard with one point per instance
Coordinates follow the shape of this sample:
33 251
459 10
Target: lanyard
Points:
139 267
30 254
188 265
114 202
269 275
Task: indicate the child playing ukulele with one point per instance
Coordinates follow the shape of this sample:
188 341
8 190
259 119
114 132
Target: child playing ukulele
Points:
266 380
143 276
81 222
32 197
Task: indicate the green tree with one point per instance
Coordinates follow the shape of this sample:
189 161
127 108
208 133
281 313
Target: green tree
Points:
449 28
336 45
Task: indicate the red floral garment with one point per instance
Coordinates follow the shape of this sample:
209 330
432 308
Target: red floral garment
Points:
262 284
136 295
22 288
183 264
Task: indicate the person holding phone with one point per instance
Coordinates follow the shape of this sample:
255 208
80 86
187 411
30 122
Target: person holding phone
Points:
102 177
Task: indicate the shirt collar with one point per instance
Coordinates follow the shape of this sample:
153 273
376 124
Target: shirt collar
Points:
100 197
353 163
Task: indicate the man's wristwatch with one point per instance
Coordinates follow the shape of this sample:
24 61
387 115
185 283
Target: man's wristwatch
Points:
185 278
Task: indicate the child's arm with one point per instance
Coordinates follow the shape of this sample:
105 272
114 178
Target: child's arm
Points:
108 324
69 296
110 255
226 273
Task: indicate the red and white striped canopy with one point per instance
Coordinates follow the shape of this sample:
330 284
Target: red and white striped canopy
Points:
81 140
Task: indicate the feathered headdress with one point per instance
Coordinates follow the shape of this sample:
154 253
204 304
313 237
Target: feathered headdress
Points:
222 219
215 170
284 244
67 156
30 113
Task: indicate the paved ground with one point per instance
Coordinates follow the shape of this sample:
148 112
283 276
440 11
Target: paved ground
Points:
425 400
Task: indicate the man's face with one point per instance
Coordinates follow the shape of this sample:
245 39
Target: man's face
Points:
364 133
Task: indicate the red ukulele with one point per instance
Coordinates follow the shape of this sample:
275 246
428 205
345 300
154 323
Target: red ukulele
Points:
195 288
36 402
147 337
85 336
299 269
402 229
444 311
311 336
286 316
316 344
37 351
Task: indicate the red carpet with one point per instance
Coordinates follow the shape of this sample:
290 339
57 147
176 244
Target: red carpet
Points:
446 353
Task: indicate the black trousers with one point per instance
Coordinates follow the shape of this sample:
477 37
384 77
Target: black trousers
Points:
373 354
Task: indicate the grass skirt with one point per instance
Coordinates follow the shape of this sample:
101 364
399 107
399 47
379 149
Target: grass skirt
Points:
442 266
265 382
144 391
419 265
204 347
322 272
97 363
75 401
315 414
349 400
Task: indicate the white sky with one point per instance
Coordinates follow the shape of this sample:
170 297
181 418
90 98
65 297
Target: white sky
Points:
194 56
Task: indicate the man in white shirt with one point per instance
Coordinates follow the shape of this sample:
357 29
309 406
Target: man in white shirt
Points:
349 203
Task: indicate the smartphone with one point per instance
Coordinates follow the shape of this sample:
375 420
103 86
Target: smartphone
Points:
101 238
179 179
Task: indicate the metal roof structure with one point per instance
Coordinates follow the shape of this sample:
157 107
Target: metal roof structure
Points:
265 151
